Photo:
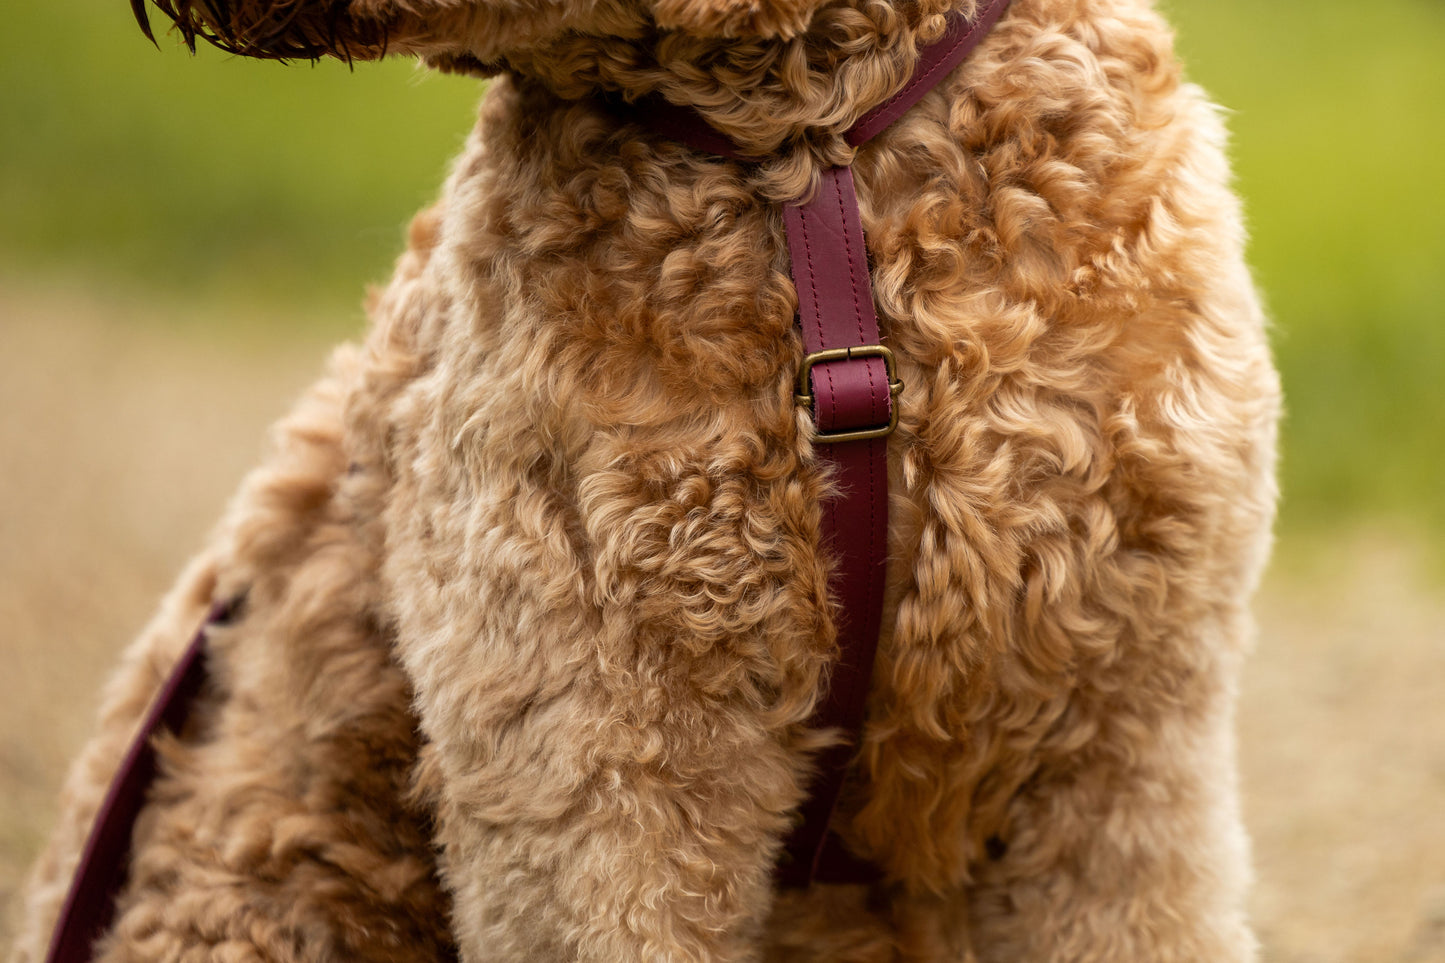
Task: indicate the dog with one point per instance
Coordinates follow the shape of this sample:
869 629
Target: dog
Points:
533 613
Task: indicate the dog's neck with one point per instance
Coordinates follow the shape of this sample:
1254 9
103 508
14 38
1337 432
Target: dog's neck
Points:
768 96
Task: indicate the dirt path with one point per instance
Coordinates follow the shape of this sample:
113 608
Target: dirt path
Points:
1342 741
121 439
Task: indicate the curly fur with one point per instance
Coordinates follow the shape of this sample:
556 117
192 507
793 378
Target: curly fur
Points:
535 617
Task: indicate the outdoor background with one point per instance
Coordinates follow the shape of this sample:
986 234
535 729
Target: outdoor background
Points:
181 238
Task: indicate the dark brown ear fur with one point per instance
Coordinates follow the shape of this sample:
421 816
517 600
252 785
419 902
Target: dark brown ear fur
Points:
736 18
274 29
361 29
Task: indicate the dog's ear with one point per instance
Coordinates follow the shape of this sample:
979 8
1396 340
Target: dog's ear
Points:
736 18
282 29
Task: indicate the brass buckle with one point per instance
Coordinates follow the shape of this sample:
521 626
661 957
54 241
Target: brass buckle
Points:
803 390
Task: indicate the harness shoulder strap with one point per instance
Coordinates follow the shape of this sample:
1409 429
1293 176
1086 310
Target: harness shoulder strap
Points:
934 63
686 126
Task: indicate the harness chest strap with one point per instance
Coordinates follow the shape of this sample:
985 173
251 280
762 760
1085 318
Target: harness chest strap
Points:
848 381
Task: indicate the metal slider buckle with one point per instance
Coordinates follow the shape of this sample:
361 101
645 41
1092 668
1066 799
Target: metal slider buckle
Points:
803 394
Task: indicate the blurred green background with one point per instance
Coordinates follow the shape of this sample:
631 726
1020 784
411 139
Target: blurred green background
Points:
280 190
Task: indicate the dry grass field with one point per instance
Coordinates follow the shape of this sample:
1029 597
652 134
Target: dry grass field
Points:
122 430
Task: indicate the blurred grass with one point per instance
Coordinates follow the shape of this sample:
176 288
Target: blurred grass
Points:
287 187
211 177
1336 110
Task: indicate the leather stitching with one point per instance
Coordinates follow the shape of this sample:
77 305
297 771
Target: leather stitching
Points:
858 290
815 319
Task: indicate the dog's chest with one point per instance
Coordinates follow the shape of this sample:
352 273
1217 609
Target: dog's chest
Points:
605 491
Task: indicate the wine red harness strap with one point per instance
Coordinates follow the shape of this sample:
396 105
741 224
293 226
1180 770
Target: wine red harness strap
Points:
90 903
848 382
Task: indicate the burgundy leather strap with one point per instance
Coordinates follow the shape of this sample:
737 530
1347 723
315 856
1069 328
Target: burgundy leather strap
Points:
686 126
835 312
682 124
835 305
90 903
934 63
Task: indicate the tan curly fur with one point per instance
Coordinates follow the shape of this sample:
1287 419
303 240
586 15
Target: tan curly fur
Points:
535 617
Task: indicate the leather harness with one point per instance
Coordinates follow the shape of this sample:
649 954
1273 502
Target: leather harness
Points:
848 380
